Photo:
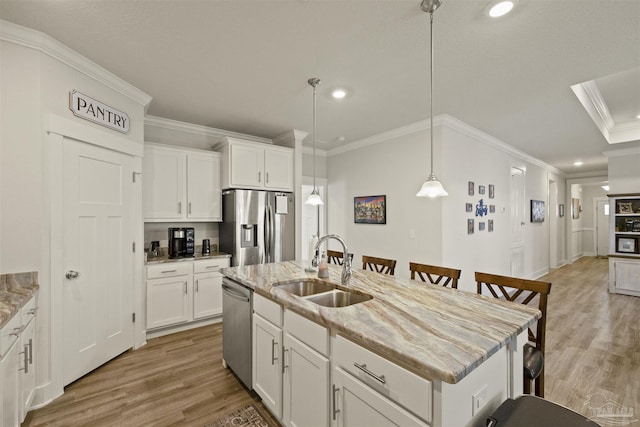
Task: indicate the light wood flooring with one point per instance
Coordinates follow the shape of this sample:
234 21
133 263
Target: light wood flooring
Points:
593 346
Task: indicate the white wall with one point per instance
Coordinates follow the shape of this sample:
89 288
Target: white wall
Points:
624 171
398 165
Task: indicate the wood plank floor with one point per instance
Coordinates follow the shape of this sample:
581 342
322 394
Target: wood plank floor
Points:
593 346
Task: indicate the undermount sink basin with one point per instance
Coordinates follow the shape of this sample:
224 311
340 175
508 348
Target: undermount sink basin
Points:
306 287
338 298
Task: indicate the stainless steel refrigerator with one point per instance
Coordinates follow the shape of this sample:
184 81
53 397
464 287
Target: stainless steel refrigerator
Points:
257 226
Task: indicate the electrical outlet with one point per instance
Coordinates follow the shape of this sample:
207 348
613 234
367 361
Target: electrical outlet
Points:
478 400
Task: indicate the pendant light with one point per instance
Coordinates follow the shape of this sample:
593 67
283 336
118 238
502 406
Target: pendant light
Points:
431 187
314 198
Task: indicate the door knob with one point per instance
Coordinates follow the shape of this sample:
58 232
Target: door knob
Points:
72 274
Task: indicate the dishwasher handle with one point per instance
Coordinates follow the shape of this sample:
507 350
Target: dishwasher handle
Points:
232 293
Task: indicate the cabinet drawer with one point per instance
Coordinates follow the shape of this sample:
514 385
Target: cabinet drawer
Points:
9 334
312 334
168 269
403 387
268 309
28 311
210 265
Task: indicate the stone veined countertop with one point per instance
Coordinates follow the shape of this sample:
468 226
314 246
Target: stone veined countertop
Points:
15 291
197 257
438 333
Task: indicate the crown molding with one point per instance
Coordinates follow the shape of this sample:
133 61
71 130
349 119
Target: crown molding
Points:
218 134
47 45
622 152
591 99
452 123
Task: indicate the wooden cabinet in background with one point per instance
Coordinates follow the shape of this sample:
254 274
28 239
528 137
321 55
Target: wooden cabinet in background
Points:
181 184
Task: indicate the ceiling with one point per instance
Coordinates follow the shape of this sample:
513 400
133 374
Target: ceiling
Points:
243 65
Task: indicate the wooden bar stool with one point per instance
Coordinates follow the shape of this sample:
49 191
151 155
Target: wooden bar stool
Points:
434 274
335 257
379 265
524 292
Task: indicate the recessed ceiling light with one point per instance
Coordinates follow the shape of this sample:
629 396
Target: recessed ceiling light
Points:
498 8
339 93
638 116
578 163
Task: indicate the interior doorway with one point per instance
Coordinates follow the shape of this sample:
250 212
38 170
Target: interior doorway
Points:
517 219
601 206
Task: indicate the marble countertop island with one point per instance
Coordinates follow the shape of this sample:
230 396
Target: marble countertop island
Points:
437 333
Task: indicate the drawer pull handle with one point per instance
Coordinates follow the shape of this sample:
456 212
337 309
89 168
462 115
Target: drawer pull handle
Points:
213 266
168 271
364 369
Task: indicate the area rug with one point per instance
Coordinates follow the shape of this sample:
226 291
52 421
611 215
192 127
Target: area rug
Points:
247 416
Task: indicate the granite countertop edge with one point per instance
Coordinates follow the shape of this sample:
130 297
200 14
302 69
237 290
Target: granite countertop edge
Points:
461 329
15 291
197 257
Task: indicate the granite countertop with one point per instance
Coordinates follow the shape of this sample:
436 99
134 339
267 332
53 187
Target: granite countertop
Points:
15 291
197 257
438 333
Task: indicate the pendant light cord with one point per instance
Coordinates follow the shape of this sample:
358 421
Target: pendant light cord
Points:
431 89
313 135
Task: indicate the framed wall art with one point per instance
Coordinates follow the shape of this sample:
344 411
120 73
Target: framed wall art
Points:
370 210
492 191
561 210
537 211
471 187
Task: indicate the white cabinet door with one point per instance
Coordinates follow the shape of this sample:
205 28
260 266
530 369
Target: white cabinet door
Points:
10 386
627 276
168 301
27 369
267 366
207 295
204 196
306 385
163 183
246 166
356 404
278 169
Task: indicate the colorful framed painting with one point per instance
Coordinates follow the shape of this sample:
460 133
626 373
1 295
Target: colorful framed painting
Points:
370 210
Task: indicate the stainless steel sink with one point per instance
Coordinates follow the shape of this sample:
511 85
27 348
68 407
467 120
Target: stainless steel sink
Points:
338 298
305 287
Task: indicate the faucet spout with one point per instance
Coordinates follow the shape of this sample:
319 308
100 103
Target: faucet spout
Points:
346 260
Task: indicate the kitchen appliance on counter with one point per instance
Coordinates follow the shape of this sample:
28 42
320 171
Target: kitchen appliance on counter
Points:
181 242
206 247
257 226
237 303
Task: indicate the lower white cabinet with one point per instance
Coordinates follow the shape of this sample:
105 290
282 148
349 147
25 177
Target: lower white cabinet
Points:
356 404
185 291
624 275
267 363
17 365
305 381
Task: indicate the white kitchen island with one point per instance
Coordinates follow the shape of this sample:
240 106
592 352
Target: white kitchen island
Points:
414 354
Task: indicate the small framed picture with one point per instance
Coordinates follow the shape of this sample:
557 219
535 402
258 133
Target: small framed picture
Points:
537 211
481 226
480 189
468 207
492 191
469 226
561 210
490 225
471 188
625 207
492 208
370 210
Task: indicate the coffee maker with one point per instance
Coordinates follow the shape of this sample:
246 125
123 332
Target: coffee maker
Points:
181 242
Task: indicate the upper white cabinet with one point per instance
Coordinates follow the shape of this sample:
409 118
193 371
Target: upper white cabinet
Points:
181 184
255 165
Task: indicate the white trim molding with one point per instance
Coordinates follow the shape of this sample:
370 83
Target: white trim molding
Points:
47 45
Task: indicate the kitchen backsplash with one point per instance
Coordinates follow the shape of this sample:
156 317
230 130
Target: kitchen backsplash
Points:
159 231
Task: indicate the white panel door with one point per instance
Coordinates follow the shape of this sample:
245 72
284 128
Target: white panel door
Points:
204 197
518 213
602 227
97 256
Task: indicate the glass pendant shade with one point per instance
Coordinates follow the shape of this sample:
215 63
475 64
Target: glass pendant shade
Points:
314 198
432 188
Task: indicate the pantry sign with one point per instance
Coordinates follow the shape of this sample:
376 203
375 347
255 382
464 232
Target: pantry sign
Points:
88 108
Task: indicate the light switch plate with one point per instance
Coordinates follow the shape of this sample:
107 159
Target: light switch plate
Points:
478 400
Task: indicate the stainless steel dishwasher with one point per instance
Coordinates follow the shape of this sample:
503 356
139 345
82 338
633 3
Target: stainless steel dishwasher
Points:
237 308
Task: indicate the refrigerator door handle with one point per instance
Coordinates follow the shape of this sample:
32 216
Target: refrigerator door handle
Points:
267 232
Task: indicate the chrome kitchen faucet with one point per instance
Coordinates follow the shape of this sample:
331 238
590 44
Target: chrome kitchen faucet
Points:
346 263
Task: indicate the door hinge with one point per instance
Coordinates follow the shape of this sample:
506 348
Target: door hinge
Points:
134 247
133 317
133 175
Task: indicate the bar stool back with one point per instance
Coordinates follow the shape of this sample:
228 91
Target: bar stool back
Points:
434 274
379 265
